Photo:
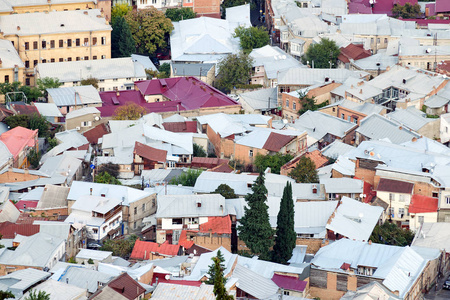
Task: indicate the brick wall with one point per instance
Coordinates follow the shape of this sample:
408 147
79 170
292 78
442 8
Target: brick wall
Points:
52 214
313 244
213 242
10 176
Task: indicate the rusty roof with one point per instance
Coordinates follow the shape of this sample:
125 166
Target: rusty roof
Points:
97 132
276 141
354 52
188 126
395 186
142 250
150 153
9 230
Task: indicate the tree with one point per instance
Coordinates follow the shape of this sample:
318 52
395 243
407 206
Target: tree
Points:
219 282
391 234
178 14
122 42
164 71
122 248
34 157
90 81
308 103
322 53
6 295
37 295
305 171
234 69
107 178
286 235
119 10
199 151
274 162
226 191
110 168
255 228
90 261
187 178
406 11
150 29
31 93
211 274
129 111
47 83
36 121
17 120
230 3
252 37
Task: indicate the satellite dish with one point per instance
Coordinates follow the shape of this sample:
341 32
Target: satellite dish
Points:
167 277
428 50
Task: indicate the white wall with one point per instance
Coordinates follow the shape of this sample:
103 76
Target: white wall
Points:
396 204
445 128
428 218
110 84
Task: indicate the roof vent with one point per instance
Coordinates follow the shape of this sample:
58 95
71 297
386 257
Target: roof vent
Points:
85 12
18 28
404 81
314 188
199 202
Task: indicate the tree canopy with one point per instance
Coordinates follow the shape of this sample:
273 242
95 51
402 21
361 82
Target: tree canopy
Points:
254 228
119 10
187 178
234 69
252 37
129 111
90 81
149 28
31 93
122 248
199 151
322 53
391 234
274 162
226 191
211 274
309 103
37 295
305 171
406 11
219 281
178 14
110 168
107 178
34 121
122 42
47 83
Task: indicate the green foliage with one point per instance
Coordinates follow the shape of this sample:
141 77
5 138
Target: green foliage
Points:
110 168
252 37
211 274
122 42
178 14
305 171
234 69
406 11
391 234
149 28
47 83
230 3
219 282
52 142
309 103
6 295
286 235
274 162
107 178
129 111
36 121
119 10
199 151
164 70
255 228
322 53
187 178
37 295
90 81
122 248
17 120
31 93
34 157
226 191
72 260
248 86
90 261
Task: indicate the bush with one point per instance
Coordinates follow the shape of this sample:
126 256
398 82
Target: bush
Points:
187 178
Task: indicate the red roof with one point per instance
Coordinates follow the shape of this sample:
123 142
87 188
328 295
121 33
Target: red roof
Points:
188 126
289 282
207 162
18 138
26 204
354 52
126 286
142 249
25 109
276 141
444 66
4 113
223 168
219 225
97 132
9 230
150 153
183 241
26 218
423 204
395 186
316 156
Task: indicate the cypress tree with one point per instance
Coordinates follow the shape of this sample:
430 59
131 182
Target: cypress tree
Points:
286 236
255 229
219 281
212 271
122 42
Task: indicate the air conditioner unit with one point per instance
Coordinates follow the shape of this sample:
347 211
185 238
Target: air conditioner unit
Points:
78 128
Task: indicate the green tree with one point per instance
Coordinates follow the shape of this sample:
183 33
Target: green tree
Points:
305 171
122 248
107 178
255 228
110 168
308 103
211 274
234 69
17 120
90 261
322 53
31 93
6 295
252 37
230 3
178 14
286 235
34 157
122 42
164 71
119 10
226 191
90 81
406 11
219 282
391 234
199 151
129 111
149 28
274 162
37 295
187 178
52 142
47 83
36 121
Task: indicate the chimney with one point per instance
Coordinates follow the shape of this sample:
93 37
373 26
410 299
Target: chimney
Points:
314 189
360 91
18 28
85 12
414 139
199 203
401 128
90 191
360 83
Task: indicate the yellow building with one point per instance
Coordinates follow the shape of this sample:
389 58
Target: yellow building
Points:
11 66
56 37
26 6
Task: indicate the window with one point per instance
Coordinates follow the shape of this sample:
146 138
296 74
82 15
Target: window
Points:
287 102
385 40
250 153
69 43
61 43
87 123
94 57
86 41
349 118
334 109
115 79
103 40
391 197
27 45
294 105
95 230
355 120
35 45
135 210
447 199
401 198
77 42
6 78
77 58
52 60
371 40
143 207
342 116
391 211
446 129
44 61
52 44
134 225
94 41
103 56
378 40
61 59
27 81
102 89
27 64
69 59
35 62
86 58
286 293
421 219
434 194
104 229
178 221
401 212
44 44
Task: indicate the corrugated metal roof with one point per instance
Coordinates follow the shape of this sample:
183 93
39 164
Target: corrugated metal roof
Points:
94 254
433 235
172 206
82 277
142 250
48 109
53 197
165 291
19 281
253 283
343 185
59 291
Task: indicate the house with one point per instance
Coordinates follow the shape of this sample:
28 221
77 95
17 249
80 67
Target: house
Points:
253 285
206 72
6 158
59 290
423 56
63 166
352 111
336 188
149 250
351 53
148 158
378 7
444 129
398 195
141 272
83 119
50 111
438 104
96 256
8 212
9 230
19 142
370 290
53 42
81 277
315 156
416 120
122 287
53 201
422 209
11 67
188 292
72 98
291 286
263 101
40 6
95 135
19 282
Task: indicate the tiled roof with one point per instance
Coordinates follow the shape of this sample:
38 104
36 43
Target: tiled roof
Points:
143 249
277 141
25 109
9 230
18 138
207 162
423 204
5 113
395 186
354 52
126 286
289 282
316 156
219 225
223 168
183 241
97 132
150 153
188 126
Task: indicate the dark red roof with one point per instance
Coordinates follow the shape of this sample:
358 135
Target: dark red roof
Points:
423 204
25 109
444 66
26 218
4 113
276 141
97 132
9 230
150 153
207 162
82 147
126 286
188 126
354 52
219 225
395 186
26 204
143 249
345 266
423 22
223 168
289 282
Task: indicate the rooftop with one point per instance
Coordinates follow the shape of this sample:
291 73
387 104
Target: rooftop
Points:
395 186
142 250
18 138
423 204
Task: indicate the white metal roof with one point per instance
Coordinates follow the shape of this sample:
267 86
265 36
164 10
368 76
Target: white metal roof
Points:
9 55
81 112
48 109
93 254
176 206
165 291
253 283
59 290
